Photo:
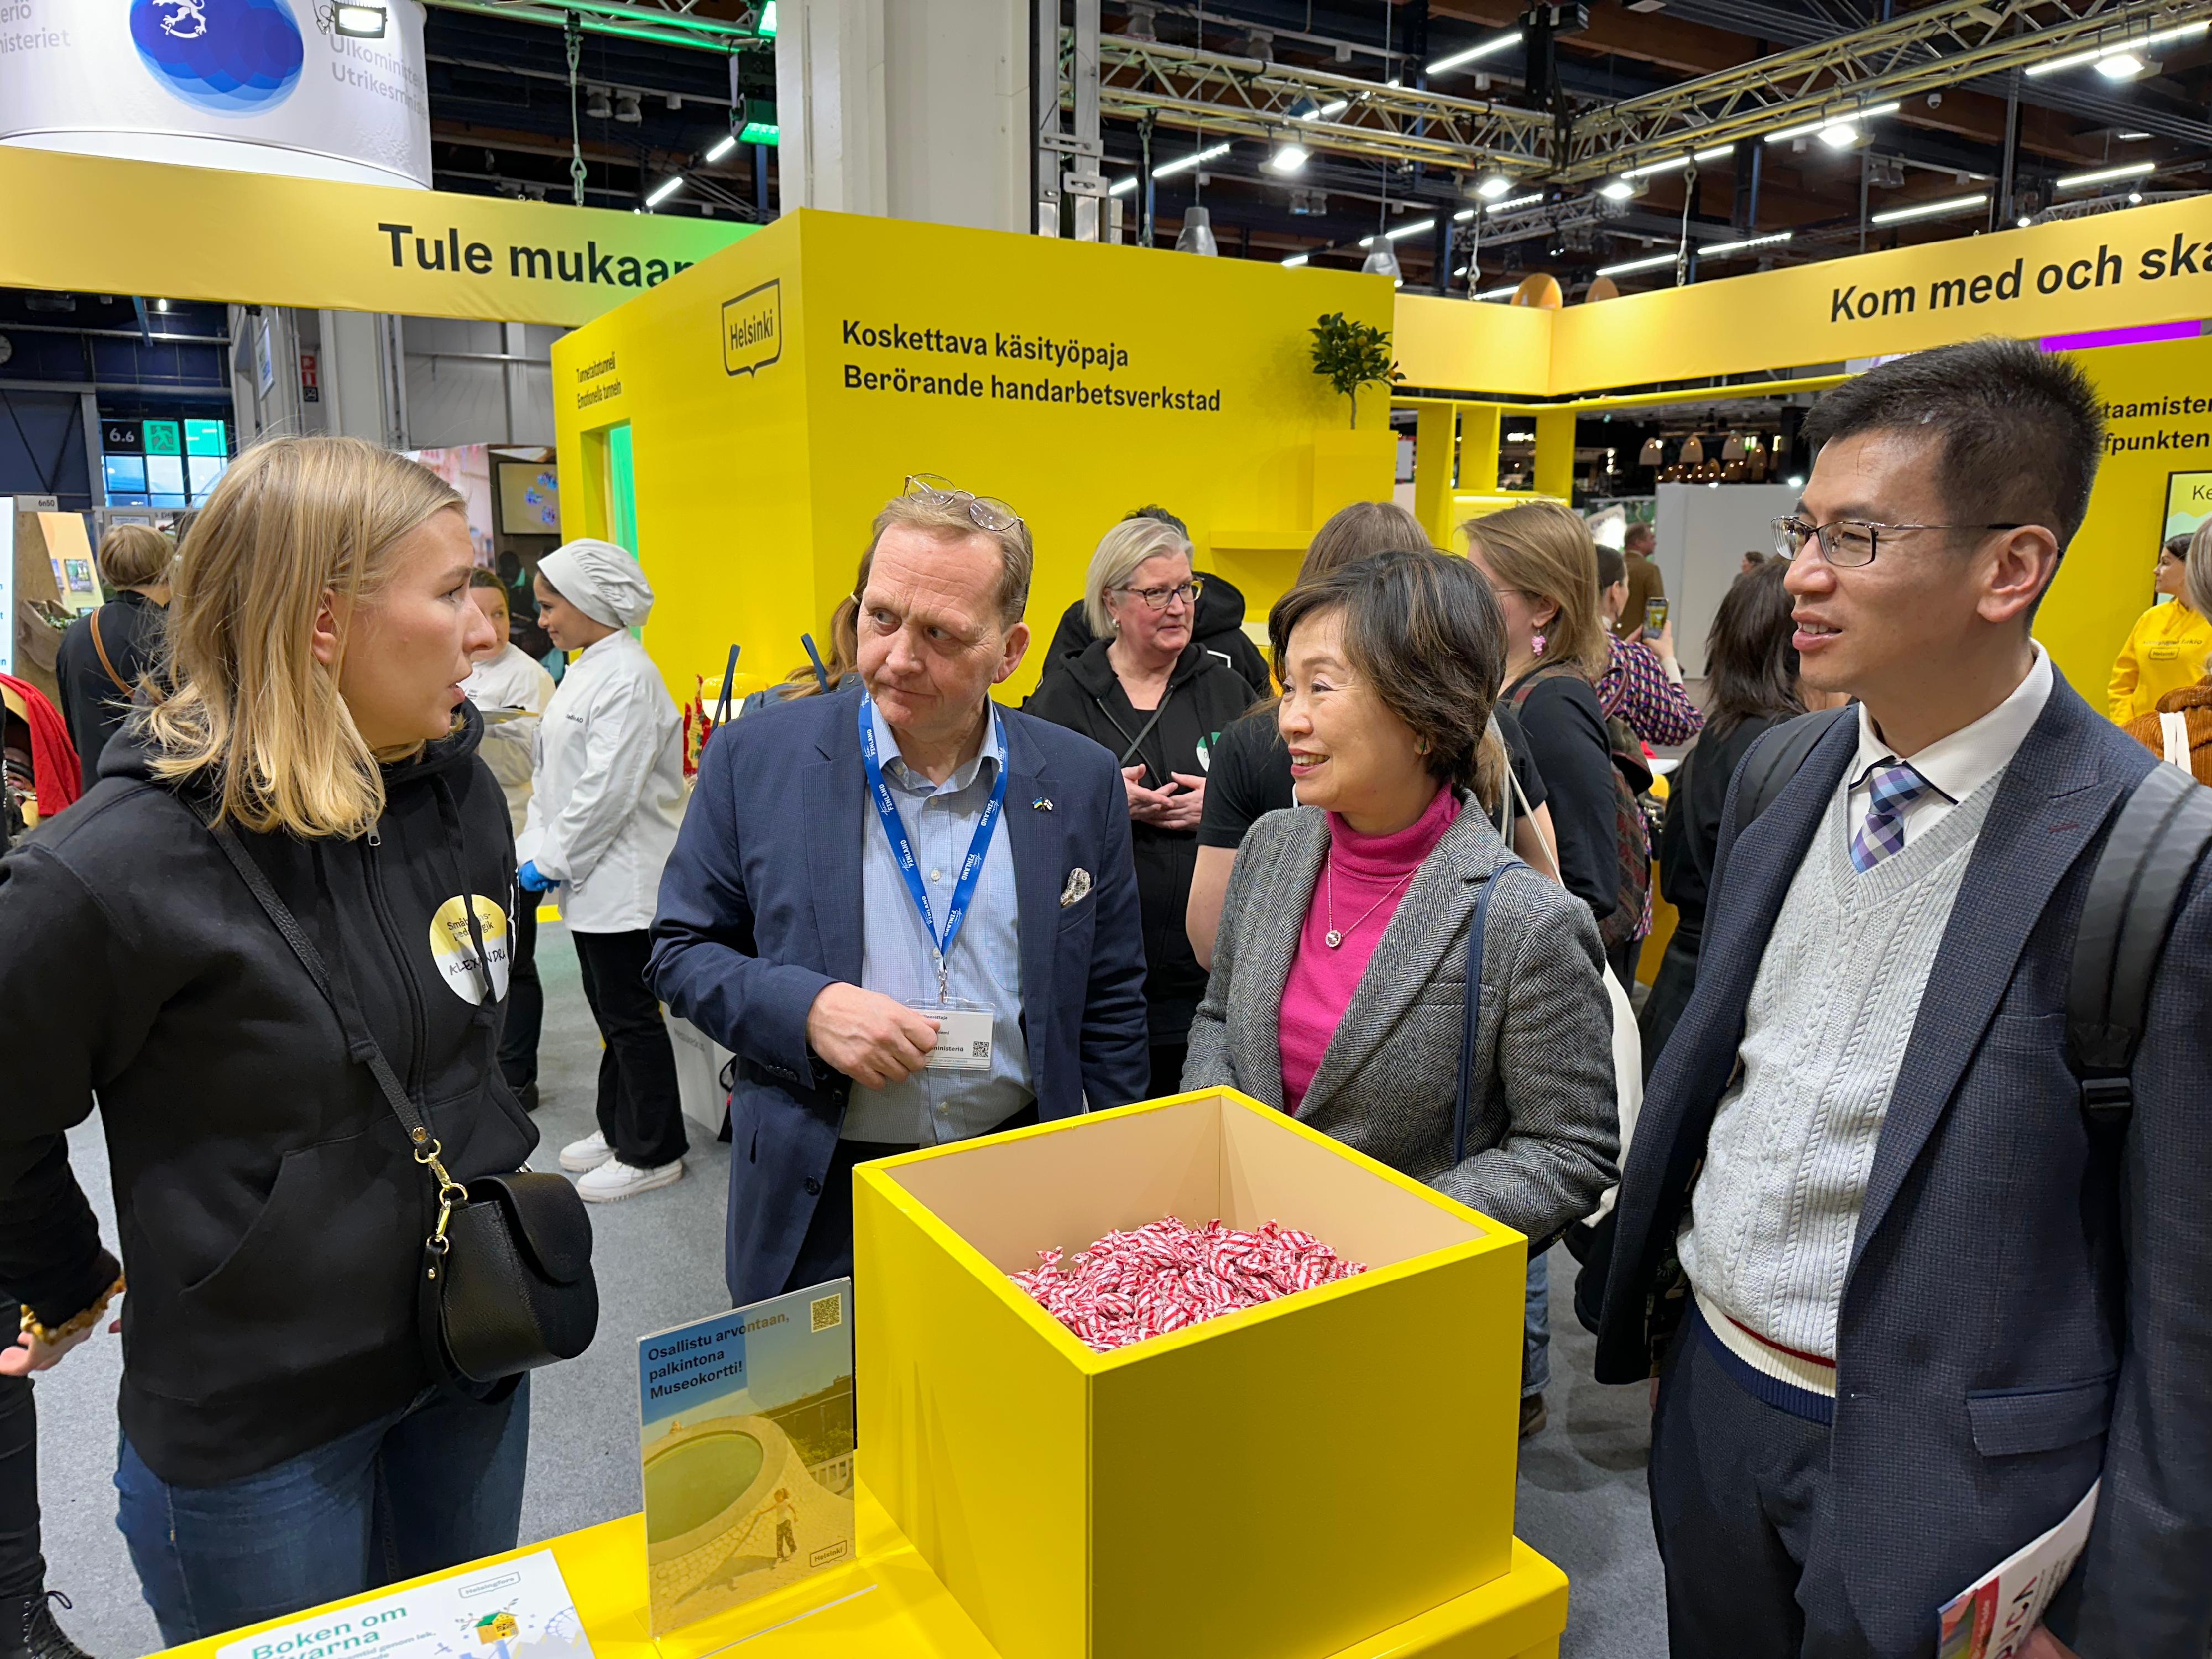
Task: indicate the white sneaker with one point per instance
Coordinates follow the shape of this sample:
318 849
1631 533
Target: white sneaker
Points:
614 1181
579 1156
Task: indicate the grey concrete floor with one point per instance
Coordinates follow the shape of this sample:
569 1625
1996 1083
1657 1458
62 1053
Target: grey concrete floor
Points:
658 1258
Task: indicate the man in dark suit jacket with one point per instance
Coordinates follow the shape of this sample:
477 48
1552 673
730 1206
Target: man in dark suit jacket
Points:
792 926
1920 1302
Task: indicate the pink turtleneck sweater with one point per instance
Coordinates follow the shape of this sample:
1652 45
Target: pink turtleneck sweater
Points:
1321 980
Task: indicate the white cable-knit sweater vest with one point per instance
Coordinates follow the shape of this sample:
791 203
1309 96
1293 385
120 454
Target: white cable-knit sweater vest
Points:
1777 1205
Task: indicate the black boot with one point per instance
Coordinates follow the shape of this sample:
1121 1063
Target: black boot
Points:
28 1630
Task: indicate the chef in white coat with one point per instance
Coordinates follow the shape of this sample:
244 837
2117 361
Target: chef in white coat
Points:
511 689
603 819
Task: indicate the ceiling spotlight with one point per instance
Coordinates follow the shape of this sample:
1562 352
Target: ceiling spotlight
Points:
2023 223
161 305
1289 157
2100 56
1840 134
598 106
1616 190
2119 66
627 110
359 22
1493 186
1196 235
2135 199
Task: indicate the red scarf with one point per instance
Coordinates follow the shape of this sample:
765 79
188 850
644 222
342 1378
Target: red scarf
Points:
55 768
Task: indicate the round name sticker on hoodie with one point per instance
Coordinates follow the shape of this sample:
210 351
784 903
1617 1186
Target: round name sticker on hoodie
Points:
455 952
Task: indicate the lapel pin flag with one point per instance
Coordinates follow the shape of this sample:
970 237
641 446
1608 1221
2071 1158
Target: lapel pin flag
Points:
1042 804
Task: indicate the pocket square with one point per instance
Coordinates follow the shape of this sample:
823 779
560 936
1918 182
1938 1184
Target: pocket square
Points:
1078 885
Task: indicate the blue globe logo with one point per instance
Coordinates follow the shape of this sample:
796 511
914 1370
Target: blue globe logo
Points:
230 56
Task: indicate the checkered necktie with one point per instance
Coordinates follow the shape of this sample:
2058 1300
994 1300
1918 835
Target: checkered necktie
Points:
1893 786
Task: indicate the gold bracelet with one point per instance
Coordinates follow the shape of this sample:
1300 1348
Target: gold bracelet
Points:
54 1336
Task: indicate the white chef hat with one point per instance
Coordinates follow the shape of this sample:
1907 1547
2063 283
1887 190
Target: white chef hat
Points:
600 580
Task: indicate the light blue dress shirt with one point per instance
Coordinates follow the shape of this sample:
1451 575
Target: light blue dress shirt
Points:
897 959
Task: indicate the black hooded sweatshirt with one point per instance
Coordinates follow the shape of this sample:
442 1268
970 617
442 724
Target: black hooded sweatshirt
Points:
1204 697
271 1217
1217 625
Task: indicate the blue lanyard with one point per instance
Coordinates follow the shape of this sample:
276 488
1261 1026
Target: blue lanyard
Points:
971 868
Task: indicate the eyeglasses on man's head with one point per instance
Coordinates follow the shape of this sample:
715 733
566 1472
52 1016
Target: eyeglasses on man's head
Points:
986 512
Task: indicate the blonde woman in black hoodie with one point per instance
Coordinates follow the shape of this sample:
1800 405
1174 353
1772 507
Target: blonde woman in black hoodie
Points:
283 1443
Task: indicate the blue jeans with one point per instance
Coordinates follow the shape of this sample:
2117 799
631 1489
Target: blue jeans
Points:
418 1491
1536 1334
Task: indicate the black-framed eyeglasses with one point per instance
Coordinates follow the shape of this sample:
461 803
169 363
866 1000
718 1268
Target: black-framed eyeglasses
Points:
1159 598
1848 544
988 512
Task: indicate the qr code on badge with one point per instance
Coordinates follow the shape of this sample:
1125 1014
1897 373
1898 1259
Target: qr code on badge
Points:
981 1050
825 1313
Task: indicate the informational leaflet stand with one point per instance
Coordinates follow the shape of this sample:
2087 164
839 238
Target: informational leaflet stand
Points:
1993 1617
515 1609
746 1428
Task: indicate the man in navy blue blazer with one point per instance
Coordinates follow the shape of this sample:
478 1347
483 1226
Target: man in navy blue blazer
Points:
912 915
1907 1299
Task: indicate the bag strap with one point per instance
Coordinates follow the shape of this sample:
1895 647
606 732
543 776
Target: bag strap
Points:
1143 732
2174 732
1470 1025
100 649
361 1045
1775 757
2142 875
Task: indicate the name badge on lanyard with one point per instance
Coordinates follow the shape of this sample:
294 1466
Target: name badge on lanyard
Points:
963 1029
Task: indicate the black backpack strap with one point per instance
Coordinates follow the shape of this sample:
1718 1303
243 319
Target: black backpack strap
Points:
1776 758
2143 873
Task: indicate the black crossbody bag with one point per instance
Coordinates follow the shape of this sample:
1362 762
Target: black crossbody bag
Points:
505 1284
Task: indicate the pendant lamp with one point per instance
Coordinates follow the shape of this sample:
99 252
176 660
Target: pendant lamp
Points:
1196 235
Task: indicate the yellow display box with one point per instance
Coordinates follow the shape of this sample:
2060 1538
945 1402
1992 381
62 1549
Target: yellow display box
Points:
1282 1483
888 1605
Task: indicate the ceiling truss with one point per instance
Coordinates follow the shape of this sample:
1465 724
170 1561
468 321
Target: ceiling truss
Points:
1951 44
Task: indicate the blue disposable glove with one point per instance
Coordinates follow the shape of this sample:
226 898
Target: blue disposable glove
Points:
532 881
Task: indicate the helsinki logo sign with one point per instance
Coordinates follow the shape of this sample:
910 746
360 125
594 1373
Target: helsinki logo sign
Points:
230 56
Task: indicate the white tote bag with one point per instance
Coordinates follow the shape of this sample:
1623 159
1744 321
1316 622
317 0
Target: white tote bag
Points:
1627 1040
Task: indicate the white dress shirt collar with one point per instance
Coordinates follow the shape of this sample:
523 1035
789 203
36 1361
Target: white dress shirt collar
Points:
896 769
1968 758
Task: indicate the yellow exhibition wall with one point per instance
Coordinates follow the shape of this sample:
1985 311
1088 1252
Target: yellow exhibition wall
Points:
113 227
2106 582
2137 266
779 392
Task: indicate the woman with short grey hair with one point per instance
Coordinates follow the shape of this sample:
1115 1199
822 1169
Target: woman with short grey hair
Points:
1340 989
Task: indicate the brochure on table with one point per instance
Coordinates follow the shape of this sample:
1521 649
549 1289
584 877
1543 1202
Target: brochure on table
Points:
517 1610
745 1431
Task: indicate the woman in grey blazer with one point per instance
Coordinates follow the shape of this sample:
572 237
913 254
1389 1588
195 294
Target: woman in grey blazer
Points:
1339 987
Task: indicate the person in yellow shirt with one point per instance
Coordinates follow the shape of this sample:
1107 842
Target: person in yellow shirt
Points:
2165 648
